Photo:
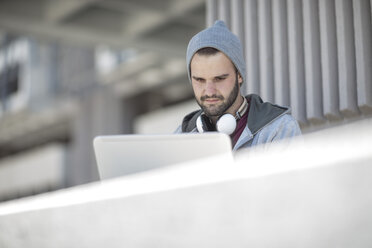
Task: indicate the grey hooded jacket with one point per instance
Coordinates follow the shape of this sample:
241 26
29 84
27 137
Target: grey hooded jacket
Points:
266 123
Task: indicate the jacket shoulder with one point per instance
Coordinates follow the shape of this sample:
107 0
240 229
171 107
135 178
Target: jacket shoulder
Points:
283 127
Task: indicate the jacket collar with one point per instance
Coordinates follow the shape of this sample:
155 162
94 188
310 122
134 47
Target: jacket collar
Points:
262 113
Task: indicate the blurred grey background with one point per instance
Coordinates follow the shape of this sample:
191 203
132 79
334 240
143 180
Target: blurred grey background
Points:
72 70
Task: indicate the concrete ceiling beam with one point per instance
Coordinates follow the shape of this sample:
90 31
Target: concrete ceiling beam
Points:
146 21
74 34
58 10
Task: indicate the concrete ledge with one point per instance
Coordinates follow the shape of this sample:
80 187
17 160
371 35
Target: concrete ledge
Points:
281 197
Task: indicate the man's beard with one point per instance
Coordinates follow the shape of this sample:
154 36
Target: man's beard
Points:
218 110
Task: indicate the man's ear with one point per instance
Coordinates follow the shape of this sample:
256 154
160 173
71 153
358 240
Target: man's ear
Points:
240 79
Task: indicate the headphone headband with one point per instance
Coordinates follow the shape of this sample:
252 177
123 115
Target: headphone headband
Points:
242 109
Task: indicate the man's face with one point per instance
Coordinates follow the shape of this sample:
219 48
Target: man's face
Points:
215 83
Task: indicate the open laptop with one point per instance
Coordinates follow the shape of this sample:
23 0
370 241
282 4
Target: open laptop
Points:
119 155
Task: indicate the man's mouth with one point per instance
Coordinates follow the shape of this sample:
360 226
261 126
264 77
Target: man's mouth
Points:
211 99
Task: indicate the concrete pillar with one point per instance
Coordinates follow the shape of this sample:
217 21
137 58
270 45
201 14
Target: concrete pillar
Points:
363 53
251 48
280 52
346 58
296 60
313 71
328 39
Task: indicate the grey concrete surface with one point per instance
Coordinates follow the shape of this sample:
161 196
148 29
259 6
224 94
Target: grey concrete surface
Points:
313 193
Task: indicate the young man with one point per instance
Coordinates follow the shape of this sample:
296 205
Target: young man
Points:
216 69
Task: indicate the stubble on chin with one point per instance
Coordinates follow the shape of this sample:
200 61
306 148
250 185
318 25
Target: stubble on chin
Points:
213 110
216 110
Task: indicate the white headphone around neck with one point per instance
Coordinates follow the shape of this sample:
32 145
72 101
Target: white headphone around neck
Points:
225 124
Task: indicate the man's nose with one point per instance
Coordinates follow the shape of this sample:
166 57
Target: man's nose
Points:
210 88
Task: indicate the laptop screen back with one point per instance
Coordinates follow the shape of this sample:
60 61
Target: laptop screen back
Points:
119 155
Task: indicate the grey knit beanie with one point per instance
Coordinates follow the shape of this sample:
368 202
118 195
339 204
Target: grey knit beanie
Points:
218 36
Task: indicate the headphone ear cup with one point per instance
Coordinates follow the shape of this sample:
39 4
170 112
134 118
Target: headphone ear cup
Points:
226 124
199 124
204 124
